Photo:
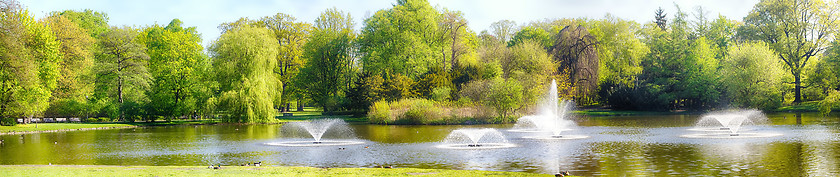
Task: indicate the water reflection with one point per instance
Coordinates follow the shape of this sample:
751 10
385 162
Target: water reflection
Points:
618 146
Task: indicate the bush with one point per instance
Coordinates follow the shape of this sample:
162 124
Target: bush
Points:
8 121
419 111
380 112
441 94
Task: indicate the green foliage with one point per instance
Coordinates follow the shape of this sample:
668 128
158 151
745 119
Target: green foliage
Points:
751 75
427 82
8 121
244 60
825 73
441 94
176 62
619 50
402 40
797 30
328 69
29 59
95 23
121 68
506 97
532 33
76 81
829 102
418 111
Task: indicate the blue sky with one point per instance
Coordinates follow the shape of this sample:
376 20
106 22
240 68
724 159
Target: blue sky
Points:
206 15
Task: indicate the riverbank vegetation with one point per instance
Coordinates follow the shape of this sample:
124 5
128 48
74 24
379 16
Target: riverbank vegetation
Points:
415 63
85 170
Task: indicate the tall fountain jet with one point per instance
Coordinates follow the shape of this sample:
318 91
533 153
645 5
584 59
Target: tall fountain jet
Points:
552 117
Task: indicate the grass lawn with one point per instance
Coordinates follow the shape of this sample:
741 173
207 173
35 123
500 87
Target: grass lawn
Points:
313 112
808 106
65 126
193 171
57 126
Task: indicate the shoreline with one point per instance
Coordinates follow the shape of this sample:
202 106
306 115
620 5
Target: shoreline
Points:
63 130
108 170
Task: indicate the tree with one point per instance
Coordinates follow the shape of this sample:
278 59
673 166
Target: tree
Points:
329 53
76 80
678 72
574 50
619 50
503 30
461 41
29 56
243 60
752 76
529 64
797 30
291 35
44 51
661 19
121 64
532 33
95 23
505 95
176 59
16 70
404 39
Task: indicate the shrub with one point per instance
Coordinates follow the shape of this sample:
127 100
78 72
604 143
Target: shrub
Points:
8 121
426 112
441 94
380 112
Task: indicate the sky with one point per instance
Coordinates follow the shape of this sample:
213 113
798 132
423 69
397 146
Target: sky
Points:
206 15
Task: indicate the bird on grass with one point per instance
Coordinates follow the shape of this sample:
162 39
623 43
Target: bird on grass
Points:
562 174
258 163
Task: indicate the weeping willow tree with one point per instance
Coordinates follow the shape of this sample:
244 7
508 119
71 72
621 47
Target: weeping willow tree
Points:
244 60
574 52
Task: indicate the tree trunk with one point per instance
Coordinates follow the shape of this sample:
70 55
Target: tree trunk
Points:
120 95
797 88
299 105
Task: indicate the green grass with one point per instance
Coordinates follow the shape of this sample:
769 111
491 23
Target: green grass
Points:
194 171
57 126
65 126
809 106
313 113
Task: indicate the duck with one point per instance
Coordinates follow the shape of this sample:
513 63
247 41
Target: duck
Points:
562 174
258 163
215 167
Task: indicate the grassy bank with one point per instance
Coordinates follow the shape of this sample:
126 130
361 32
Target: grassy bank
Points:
41 127
809 106
83 170
312 112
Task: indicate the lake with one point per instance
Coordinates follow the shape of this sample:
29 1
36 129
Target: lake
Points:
616 146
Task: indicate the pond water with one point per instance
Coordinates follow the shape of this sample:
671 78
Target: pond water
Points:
617 146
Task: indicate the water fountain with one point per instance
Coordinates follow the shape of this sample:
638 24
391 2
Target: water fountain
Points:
730 124
551 118
316 129
471 138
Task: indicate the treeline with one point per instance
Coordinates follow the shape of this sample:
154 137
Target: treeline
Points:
414 63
